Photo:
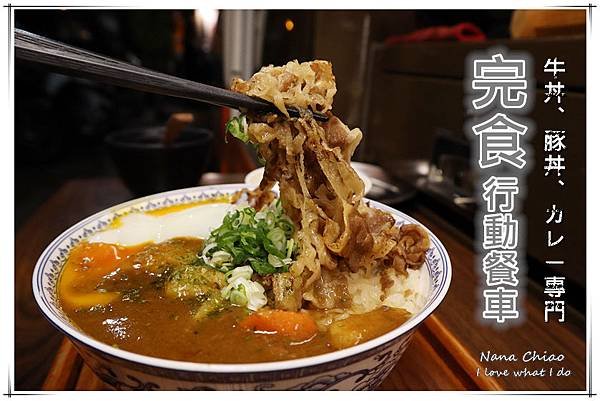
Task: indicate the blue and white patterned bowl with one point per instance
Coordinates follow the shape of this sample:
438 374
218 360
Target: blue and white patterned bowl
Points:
362 367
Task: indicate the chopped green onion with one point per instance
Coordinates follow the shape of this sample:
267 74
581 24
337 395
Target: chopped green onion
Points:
289 248
238 127
220 257
274 261
238 296
277 237
260 241
264 268
242 291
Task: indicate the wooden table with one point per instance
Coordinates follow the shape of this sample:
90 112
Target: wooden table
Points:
444 354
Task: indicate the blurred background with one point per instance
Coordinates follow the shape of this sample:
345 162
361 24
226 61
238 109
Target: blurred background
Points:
399 76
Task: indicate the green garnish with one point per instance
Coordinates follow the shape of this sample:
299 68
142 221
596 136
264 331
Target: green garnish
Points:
242 291
262 240
238 128
238 296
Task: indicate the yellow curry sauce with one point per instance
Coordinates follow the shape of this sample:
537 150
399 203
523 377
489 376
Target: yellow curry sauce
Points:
124 297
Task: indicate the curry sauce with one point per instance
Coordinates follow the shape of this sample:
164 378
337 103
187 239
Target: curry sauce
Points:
155 300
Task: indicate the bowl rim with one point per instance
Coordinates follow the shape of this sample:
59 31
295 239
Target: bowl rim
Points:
199 367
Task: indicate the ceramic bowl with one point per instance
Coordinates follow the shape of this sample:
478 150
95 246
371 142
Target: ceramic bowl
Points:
362 367
147 165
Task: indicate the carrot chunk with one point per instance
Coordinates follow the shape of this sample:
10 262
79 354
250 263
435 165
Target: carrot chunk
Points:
296 325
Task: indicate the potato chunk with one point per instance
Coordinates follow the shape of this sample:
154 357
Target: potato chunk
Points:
358 329
194 282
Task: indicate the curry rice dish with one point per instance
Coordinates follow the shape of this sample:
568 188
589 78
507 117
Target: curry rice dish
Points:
308 271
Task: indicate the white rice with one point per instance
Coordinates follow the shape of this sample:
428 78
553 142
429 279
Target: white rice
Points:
409 292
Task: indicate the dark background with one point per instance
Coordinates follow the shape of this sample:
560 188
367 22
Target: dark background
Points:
407 98
72 116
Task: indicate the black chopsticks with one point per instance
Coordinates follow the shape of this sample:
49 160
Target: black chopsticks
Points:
74 61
